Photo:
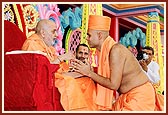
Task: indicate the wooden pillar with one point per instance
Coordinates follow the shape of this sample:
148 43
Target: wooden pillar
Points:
114 29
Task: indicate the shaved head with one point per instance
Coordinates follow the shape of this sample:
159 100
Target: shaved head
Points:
43 24
47 31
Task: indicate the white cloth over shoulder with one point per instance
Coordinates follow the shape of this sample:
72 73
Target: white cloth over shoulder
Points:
153 72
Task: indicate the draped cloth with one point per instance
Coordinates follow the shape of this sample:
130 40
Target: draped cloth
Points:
134 100
159 101
44 95
105 97
137 99
35 43
77 94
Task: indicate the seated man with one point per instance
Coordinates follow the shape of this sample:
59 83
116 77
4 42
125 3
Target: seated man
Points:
43 41
79 93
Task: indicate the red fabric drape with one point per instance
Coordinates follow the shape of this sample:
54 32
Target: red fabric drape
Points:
13 37
28 78
28 81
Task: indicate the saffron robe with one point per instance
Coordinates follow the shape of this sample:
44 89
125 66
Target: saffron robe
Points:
35 43
77 94
135 100
105 97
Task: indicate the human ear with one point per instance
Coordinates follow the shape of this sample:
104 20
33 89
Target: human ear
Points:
42 32
99 35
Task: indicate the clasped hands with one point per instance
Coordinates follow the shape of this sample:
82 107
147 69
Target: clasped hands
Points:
80 67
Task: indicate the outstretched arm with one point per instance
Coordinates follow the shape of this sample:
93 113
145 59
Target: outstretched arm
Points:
67 56
116 67
72 74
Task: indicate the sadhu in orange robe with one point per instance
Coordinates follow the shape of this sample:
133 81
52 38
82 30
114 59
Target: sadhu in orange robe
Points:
104 97
76 94
133 100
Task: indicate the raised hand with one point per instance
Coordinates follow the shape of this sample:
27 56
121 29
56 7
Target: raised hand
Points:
144 65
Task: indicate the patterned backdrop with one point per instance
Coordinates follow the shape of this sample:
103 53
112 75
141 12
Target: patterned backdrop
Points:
26 16
72 23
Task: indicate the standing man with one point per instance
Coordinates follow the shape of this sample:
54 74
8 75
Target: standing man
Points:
149 66
118 70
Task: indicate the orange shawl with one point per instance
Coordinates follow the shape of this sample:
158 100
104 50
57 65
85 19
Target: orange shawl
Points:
135 101
77 94
105 97
35 43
